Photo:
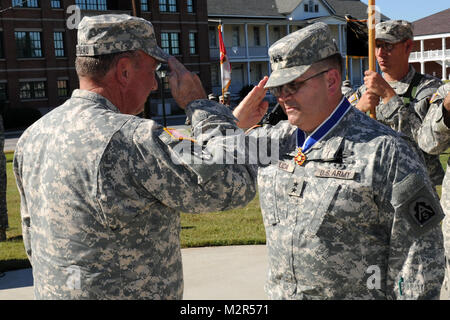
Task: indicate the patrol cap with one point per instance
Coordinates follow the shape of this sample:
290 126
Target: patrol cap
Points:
113 33
294 54
393 31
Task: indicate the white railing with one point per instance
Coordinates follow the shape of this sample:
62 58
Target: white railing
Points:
240 52
430 55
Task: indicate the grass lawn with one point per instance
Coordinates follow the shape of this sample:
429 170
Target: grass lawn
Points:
234 227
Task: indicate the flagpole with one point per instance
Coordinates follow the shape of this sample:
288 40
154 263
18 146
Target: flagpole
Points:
371 31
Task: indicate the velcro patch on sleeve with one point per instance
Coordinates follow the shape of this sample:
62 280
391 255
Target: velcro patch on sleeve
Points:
353 98
413 200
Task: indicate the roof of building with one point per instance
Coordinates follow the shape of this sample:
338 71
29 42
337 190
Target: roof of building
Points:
435 24
250 8
280 8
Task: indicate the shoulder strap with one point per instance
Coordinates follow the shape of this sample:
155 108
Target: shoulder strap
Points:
410 94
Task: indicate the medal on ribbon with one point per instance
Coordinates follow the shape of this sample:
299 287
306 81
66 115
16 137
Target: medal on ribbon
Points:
300 158
304 144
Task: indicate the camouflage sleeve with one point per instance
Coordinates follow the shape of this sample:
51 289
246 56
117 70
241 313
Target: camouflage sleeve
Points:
412 215
356 95
199 173
434 135
404 118
24 214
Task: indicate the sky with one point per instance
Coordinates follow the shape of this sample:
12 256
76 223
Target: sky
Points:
410 10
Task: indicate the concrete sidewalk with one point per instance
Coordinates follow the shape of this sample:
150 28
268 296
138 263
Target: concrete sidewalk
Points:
210 273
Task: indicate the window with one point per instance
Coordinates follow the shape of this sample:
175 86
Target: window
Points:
256 36
32 90
190 6
55 3
165 84
62 86
236 38
277 32
316 8
3 91
144 5
215 75
168 5
305 8
25 4
28 44
192 43
99 5
58 39
212 37
170 42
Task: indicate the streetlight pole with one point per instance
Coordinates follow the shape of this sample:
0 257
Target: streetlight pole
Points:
161 72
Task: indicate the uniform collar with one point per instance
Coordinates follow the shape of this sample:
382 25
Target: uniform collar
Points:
401 86
94 97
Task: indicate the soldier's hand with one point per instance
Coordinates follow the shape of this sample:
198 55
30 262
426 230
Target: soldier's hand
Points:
368 101
375 83
184 85
252 108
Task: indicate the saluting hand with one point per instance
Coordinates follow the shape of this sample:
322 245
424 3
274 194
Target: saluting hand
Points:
252 108
184 85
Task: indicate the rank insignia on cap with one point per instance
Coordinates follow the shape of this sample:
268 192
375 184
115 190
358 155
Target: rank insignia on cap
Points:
421 211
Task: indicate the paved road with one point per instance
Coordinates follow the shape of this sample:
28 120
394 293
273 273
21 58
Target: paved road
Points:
210 273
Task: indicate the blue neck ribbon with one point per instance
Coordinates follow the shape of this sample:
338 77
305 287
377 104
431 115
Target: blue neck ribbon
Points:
322 130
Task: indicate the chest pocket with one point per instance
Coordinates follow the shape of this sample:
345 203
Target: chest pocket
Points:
342 210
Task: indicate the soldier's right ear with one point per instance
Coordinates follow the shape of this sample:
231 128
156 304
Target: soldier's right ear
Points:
122 72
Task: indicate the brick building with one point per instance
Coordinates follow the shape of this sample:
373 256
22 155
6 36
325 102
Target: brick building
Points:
37 46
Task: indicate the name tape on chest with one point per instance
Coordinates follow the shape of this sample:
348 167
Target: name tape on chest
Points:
335 173
286 166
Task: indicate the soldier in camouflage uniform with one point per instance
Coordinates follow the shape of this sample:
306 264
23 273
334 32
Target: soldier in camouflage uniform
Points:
349 210
3 182
434 138
401 97
347 89
101 189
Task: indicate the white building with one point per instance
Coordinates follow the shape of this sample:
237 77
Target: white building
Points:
431 51
251 26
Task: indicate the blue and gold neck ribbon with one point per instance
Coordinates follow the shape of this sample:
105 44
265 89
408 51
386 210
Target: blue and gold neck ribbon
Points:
304 144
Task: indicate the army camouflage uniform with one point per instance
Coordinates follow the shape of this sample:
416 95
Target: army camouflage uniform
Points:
434 138
398 115
359 218
3 182
101 193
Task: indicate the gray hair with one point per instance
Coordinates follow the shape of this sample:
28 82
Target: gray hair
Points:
334 61
96 67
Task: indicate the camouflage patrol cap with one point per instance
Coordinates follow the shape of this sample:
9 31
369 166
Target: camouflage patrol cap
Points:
113 33
393 31
294 54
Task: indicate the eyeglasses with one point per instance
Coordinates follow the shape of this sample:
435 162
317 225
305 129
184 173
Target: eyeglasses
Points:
293 86
388 47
